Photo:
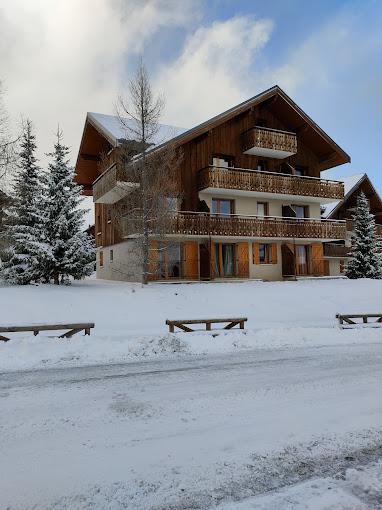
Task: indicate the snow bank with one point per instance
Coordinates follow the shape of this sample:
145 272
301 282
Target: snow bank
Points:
130 320
360 490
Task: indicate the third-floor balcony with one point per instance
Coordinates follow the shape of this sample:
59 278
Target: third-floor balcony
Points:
190 224
271 143
252 182
113 183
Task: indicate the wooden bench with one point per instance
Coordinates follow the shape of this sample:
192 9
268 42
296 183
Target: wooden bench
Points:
36 328
181 324
347 320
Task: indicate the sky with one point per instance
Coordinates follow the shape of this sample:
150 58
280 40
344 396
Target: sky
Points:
60 59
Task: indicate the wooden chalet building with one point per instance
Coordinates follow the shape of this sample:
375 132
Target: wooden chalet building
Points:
252 193
336 254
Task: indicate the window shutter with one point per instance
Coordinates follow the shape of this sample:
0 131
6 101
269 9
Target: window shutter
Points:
191 260
242 260
274 253
256 253
317 251
153 260
212 260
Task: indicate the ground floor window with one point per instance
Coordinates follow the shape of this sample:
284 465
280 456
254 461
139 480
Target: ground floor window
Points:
101 259
265 253
224 259
301 259
169 260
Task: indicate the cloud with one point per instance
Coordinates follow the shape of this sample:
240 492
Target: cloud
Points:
60 59
214 70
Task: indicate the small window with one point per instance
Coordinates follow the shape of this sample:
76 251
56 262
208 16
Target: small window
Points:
111 255
172 204
222 206
302 211
262 165
222 161
262 209
101 259
261 123
300 171
265 253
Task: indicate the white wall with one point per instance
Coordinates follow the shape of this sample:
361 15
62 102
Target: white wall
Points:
126 263
248 206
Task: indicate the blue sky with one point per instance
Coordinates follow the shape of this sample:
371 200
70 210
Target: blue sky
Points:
205 56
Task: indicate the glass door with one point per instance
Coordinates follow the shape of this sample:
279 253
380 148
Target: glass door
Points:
301 260
224 260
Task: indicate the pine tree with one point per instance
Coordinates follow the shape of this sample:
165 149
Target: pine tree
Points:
25 217
72 249
365 256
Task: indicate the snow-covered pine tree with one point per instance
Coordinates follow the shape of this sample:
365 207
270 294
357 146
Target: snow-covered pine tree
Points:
365 255
25 217
73 252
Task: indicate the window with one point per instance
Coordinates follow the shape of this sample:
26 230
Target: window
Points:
222 161
222 206
301 260
101 259
262 209
224 259
169 260
111 255
265 253
299 170
261 123
302 211
262 165
172 204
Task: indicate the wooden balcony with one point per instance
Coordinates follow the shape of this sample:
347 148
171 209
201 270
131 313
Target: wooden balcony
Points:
219 178
270 143
336 250
206 225
112 185
349 227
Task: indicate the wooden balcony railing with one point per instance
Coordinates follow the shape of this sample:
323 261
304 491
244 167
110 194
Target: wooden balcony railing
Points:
204 224
336 250
350 223
112 184
260 140
268 182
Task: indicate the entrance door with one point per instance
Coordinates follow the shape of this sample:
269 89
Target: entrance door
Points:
204 258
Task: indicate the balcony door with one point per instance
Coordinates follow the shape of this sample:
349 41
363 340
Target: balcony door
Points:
301 254
223 207
224 260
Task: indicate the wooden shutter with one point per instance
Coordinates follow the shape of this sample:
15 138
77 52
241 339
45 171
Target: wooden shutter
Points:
274 253
191 260
212 260
317 254
153 260
256 253
242 260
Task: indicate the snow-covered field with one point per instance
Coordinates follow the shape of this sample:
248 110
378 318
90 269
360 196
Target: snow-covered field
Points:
284 415
130 320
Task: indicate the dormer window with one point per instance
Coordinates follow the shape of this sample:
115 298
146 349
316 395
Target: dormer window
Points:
262 165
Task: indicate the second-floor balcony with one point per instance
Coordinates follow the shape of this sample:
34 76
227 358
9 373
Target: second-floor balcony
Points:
189 224
270 143
253 181
112 185
350 227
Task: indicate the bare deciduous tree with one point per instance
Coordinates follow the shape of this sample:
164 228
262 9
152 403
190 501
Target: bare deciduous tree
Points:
151 172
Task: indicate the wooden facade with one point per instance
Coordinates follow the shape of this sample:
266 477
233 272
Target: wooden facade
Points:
269 146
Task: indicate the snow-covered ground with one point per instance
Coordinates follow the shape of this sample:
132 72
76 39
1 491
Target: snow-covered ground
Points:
283 415
130 320
196 433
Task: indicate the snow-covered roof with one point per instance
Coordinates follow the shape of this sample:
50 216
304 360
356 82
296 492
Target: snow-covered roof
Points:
113 129
350 183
